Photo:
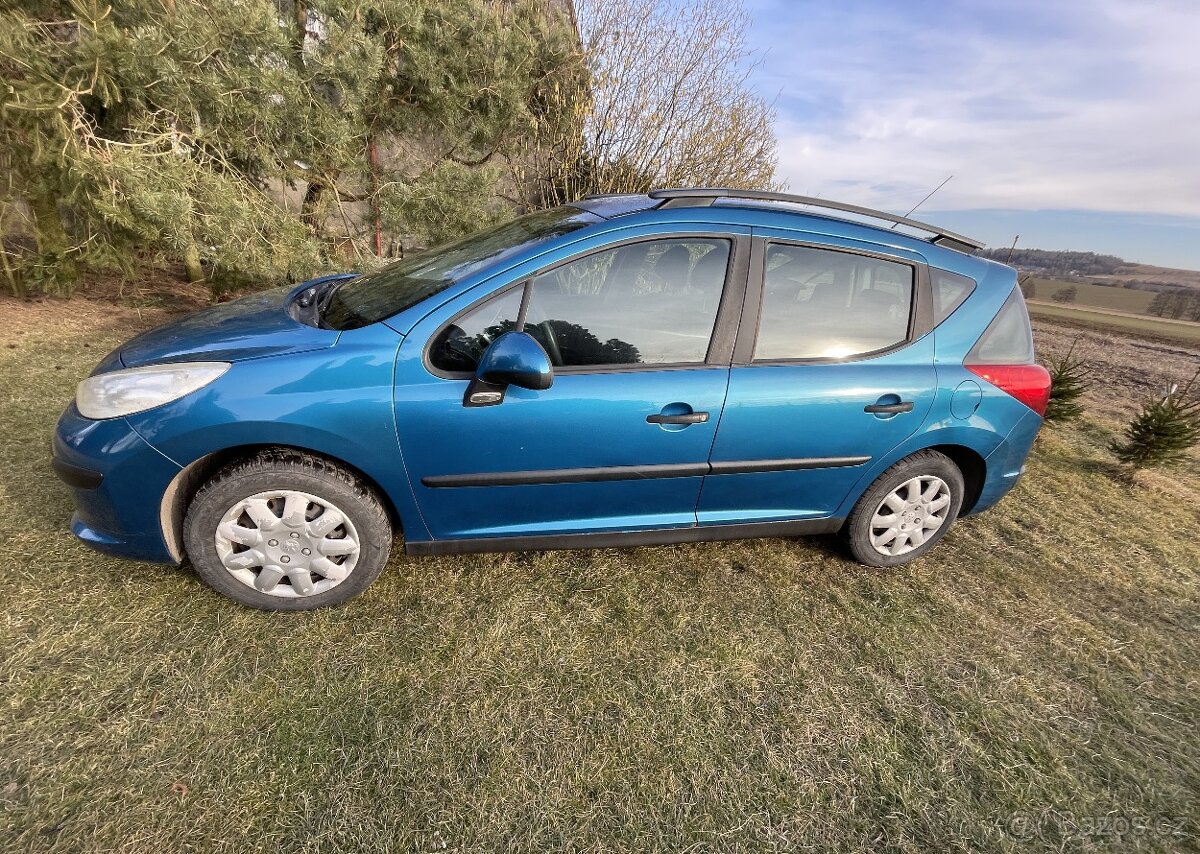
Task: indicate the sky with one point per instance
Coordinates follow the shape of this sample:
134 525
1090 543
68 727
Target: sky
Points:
1074 123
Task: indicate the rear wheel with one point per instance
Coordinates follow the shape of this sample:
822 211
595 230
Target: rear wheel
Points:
906 511
287 531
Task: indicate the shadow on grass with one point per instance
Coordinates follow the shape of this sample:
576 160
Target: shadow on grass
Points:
1116 471
828 545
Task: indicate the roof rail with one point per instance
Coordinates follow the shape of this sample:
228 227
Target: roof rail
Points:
705 196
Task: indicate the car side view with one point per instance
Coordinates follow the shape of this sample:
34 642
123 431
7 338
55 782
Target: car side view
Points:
691 364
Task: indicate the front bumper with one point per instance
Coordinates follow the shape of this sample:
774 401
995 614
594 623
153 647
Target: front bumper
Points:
76 477
118 481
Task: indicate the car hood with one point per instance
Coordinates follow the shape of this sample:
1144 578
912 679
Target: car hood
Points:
247 328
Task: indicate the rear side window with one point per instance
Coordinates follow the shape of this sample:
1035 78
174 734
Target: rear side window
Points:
823 304
950 290
1008 340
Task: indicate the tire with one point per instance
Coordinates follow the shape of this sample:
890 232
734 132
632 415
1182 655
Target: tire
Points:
938 498
298 532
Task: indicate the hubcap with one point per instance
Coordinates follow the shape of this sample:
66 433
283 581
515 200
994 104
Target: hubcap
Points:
910 515
287 543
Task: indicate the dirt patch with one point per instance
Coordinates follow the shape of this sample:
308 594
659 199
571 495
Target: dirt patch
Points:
50 319
102 304
1126 370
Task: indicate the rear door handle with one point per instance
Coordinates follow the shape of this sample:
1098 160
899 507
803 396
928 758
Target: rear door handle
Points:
682 418
889 408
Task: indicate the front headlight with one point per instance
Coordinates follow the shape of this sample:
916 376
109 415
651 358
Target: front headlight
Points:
133 390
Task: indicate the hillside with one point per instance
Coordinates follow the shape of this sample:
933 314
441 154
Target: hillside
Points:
1151 275
1063 265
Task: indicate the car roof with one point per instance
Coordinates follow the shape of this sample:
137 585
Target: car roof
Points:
938 246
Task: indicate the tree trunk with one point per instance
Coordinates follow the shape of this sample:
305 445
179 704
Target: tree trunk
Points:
299 32
191 263
14 280
15 284
376 214
310 208
53 242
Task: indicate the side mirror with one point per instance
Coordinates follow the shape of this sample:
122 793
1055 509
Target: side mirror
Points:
515 358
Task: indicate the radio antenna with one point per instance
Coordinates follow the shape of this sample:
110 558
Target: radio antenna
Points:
928 197
1012 249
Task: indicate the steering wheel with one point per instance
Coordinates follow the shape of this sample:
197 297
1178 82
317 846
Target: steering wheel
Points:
552 350
452 343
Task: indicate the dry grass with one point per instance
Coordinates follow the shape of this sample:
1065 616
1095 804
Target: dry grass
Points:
753 696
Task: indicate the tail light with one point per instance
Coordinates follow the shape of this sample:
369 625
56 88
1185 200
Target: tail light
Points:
1029 384
1003 356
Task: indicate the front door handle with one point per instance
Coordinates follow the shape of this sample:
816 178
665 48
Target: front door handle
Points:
682 418
889 408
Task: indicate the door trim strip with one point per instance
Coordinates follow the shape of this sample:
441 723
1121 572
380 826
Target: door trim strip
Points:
626 539
752 466
600 474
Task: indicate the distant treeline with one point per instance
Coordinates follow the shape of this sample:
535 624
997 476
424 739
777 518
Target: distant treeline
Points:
1055 262
1075 266
1178 304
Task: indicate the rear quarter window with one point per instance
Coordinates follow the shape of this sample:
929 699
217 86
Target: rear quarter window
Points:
950 290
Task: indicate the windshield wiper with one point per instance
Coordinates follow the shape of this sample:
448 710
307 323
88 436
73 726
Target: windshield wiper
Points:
324 294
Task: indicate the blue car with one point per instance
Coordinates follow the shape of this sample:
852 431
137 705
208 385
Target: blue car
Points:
691 364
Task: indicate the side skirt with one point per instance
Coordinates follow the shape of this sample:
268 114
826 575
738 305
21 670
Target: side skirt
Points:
625 539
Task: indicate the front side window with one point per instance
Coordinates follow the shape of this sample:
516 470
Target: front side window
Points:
824 304
460 344
648 303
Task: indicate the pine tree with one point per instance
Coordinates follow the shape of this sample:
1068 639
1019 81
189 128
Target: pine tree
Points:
1163 432
179 129
1069 382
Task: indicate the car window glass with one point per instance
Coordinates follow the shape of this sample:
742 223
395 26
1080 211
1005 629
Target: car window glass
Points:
949 292
653 302
822 304
460 344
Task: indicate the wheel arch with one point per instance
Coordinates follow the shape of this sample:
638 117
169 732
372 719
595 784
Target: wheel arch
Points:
973 468
182 488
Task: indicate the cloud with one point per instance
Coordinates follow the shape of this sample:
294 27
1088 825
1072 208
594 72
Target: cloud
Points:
1073 105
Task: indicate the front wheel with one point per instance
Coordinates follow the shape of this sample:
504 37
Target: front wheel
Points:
287 531
906 511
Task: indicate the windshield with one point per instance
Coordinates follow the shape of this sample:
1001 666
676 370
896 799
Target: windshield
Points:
390 290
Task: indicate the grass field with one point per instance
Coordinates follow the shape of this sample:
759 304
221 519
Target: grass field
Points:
1032 684
1098 296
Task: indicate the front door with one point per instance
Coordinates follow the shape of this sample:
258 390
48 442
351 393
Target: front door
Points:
621 440
833 368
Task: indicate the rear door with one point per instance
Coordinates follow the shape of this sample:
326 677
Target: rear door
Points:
833 367
640 331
